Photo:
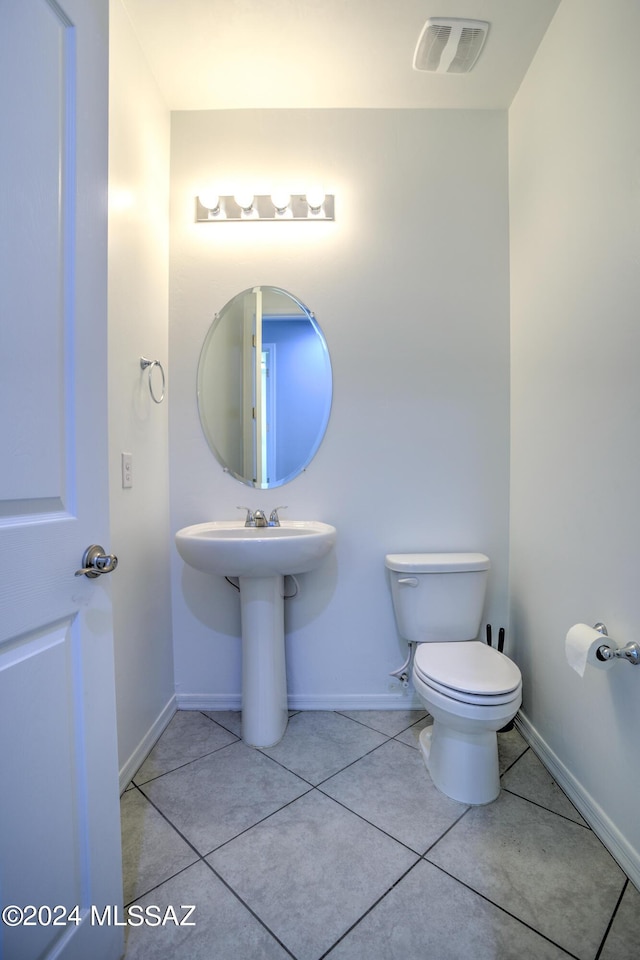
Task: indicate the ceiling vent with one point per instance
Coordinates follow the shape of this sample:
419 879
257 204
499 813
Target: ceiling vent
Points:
449 45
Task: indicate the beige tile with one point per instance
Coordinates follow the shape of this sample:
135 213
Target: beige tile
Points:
411 735
511 745
430 916
318 743
310 871
623 940
223 929
188 736
152 851
229 719
391 722
529 779
341 862
218 796
391 788
546 870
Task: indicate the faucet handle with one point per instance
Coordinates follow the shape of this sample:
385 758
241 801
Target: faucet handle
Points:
274 519
250 520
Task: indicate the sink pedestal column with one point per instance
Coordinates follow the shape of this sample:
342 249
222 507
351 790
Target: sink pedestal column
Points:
264 676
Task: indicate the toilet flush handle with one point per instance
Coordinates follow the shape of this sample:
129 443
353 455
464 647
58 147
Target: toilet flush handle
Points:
408 581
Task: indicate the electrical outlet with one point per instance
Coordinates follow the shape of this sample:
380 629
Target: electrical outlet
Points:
127 470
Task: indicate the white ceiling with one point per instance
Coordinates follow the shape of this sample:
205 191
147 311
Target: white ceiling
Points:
235 54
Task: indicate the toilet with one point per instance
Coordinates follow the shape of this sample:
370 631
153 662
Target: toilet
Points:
469 688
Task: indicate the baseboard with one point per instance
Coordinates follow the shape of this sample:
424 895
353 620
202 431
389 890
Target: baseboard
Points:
620 849
208 701
140 753
407 700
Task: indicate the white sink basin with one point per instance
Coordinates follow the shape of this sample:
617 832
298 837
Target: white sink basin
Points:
229 549
260 557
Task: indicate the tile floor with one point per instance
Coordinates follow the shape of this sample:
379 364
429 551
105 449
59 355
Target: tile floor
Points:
335 844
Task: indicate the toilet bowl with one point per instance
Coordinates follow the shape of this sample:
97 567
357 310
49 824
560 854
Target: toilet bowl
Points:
460 748
470 689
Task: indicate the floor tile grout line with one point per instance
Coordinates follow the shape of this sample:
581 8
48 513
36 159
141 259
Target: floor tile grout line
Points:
612 918
217 722
291 714
391 736
513 762
248 908
335 772
541 806
201 859
282 766
449 828
258 822
202 856
369 823
357 760
352 762
157 886
543 763
369 909
512 793
199 856
503 909
187 763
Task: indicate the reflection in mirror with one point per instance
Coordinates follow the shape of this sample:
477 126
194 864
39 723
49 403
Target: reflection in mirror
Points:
264 386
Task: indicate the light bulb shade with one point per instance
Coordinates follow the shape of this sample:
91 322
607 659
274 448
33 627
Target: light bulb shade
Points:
209 200
315 198
244 201
281 200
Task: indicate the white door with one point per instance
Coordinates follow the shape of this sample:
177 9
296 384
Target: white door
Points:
59 813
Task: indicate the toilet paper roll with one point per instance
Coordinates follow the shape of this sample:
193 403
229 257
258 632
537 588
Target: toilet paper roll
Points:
581 648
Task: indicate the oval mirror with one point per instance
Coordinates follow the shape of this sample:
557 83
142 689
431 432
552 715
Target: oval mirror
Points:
264 386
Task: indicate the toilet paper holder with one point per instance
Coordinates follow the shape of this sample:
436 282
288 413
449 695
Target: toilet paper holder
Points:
630 652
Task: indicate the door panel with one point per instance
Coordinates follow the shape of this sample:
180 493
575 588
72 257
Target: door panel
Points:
41 749
59 811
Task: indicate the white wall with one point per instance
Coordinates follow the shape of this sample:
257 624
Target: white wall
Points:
410 286
138 306
575 522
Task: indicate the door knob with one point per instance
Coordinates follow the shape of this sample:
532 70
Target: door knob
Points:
95 562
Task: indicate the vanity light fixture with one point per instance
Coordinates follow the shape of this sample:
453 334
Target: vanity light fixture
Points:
281 201
315 201
280 205
212 206
246 203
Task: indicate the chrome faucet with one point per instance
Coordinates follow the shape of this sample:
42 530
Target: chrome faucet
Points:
257 518
274 519
251 519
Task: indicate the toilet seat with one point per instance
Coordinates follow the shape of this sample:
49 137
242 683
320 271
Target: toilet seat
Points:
471 672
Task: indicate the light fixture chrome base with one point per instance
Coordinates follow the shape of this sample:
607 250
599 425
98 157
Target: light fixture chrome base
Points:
263 209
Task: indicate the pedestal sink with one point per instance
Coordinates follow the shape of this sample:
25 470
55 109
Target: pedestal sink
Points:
260 557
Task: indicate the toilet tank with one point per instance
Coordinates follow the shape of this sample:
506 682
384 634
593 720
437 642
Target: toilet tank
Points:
438 596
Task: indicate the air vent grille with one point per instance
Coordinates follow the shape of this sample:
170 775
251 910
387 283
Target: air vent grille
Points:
450 45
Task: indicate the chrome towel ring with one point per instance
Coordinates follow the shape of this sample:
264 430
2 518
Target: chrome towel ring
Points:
148 365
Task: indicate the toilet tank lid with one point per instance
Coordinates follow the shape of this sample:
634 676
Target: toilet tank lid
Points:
436 562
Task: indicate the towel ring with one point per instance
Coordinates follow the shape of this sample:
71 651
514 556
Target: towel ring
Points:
148 365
